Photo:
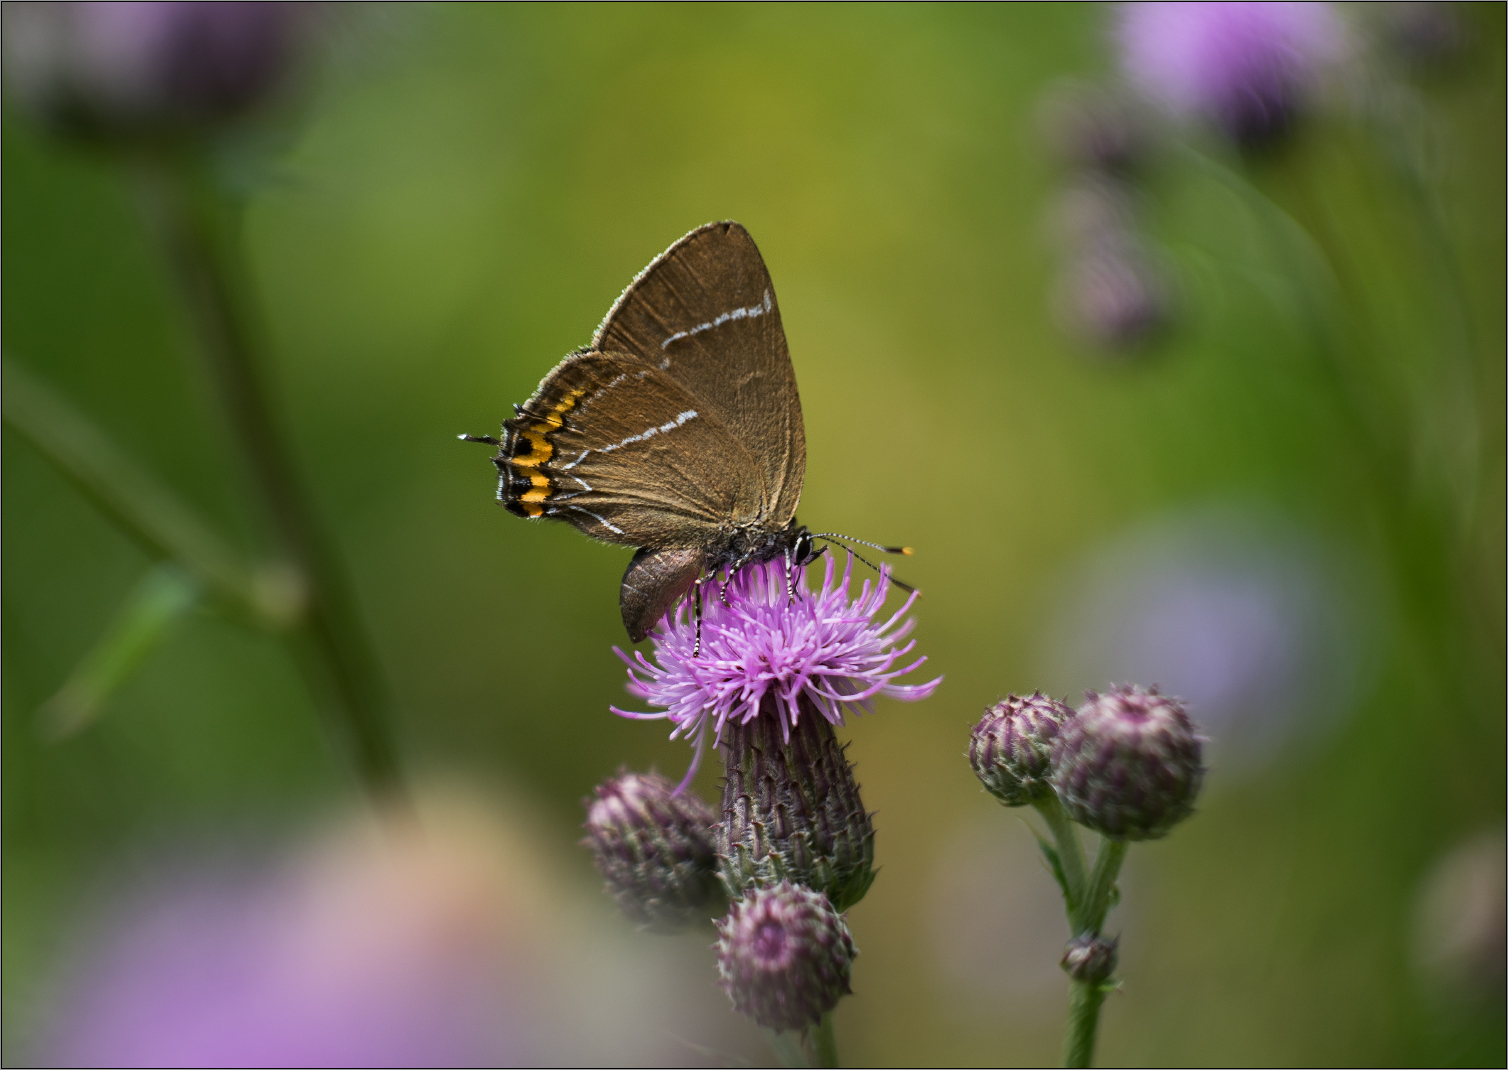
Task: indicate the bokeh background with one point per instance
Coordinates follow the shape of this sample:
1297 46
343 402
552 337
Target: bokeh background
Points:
1284 506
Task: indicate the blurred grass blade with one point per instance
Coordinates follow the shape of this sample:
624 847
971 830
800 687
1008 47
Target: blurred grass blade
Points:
165 594
141 505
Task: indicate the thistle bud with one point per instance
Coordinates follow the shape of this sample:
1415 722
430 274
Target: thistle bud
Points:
1127 764
1090 958
791 811
1092 129
146 70
784 956
1011 748
655 849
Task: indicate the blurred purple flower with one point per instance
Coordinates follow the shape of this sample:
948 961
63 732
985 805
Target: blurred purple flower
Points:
364 953
1246 66
1258 627
122 69
818 646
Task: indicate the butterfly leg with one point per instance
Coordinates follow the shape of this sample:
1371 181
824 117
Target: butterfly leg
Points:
696 611
728 574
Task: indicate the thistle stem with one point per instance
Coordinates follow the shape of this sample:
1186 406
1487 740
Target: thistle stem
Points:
196 223
823 1041
1085 997
1084 1001
1107 866
1070 853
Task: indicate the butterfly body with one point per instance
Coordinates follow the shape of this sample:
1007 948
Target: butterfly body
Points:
677 431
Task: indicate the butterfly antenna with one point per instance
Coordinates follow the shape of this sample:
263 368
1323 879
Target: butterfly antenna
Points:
488 439
832 535
895 582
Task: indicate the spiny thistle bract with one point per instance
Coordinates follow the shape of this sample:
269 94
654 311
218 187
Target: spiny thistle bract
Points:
792 811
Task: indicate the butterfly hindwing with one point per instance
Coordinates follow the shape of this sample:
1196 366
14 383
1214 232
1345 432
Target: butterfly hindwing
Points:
623 452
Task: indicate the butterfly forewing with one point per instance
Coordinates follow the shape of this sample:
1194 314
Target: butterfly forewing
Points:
705 314
617 448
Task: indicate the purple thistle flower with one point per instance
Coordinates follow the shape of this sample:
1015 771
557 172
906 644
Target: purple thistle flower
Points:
1244 65
767 650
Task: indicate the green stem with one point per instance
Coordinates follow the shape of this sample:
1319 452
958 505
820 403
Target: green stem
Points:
1083 1022
1085 998
160 599
1070 852
1107 866
824 1042
148 512
199 232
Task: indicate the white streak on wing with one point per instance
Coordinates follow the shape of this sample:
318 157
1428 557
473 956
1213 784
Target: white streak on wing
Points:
573 464
727 317
670 425
585 486
604 523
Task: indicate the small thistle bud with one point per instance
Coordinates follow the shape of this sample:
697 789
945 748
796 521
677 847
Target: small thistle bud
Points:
1127 764
784 956
791 811
1090 958
1092 129
655 849
1011 748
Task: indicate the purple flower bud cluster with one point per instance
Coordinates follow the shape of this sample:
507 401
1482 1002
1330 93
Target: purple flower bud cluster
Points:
131 71
1128 764
764 677
784 956
655 849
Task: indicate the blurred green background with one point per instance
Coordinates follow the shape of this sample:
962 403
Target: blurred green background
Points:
470 189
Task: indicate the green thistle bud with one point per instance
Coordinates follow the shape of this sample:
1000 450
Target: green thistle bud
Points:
1128 764
784 956
1011 748
1090 958
655 849
791 811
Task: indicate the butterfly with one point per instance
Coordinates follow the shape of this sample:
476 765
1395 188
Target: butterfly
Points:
678 431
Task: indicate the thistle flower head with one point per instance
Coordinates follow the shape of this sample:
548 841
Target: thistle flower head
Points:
655 849
1244 65
1128 764
1011 747
784 956
768 650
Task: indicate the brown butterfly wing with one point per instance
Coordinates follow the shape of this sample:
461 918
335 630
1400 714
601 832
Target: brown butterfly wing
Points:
627 455
704 313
